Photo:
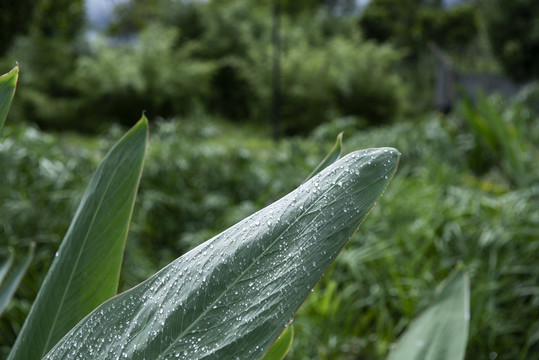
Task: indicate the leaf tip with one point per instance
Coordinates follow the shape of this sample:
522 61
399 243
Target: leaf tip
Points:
143 121
143 124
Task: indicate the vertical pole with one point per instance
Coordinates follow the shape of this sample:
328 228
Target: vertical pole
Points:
276 71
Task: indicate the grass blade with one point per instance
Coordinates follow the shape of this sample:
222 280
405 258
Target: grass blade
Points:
441 332
8 83
6 265
232 296
8 289
333 155
281 347
86 268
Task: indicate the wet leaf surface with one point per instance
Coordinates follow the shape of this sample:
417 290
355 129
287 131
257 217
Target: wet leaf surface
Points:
232 296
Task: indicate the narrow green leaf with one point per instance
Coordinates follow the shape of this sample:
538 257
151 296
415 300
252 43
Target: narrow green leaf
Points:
333 155
281 347
8 83
8 289
86 268
6 265
441 331
232 296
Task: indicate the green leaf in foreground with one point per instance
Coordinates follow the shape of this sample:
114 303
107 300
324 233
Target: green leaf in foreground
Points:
281 347
8 83
232 296
86 268
7 290
441 331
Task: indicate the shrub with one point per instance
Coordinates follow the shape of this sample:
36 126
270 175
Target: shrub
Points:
500 137
85 270
120 81
454 214
345 77
514 42
437 212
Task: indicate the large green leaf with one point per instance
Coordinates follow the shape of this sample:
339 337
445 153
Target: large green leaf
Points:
8 83
7 289
86 268
232 296
281 347
441 331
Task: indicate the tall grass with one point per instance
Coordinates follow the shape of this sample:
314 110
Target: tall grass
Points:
438 212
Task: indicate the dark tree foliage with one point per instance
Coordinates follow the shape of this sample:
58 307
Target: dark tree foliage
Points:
451 29
15 16
391 20
59 18
513 30
412 24
132 16
47 52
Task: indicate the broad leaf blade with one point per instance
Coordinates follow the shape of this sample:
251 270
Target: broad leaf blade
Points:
8 289
232 296
333 155
441 332
8 83
86 268
281 347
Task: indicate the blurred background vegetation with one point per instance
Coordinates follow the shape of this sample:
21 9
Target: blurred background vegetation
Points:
466 191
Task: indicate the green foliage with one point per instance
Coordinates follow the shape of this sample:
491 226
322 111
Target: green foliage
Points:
383 279
281 347
514 36
121 81
367 85
14 20
40 191
411 27
452 215
441 331
133 16
347 77
60 19
8 83
452 29
214 58
232 296
87 265
333 155
45 97
390 20
46 49
412 24
8 288
501 137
